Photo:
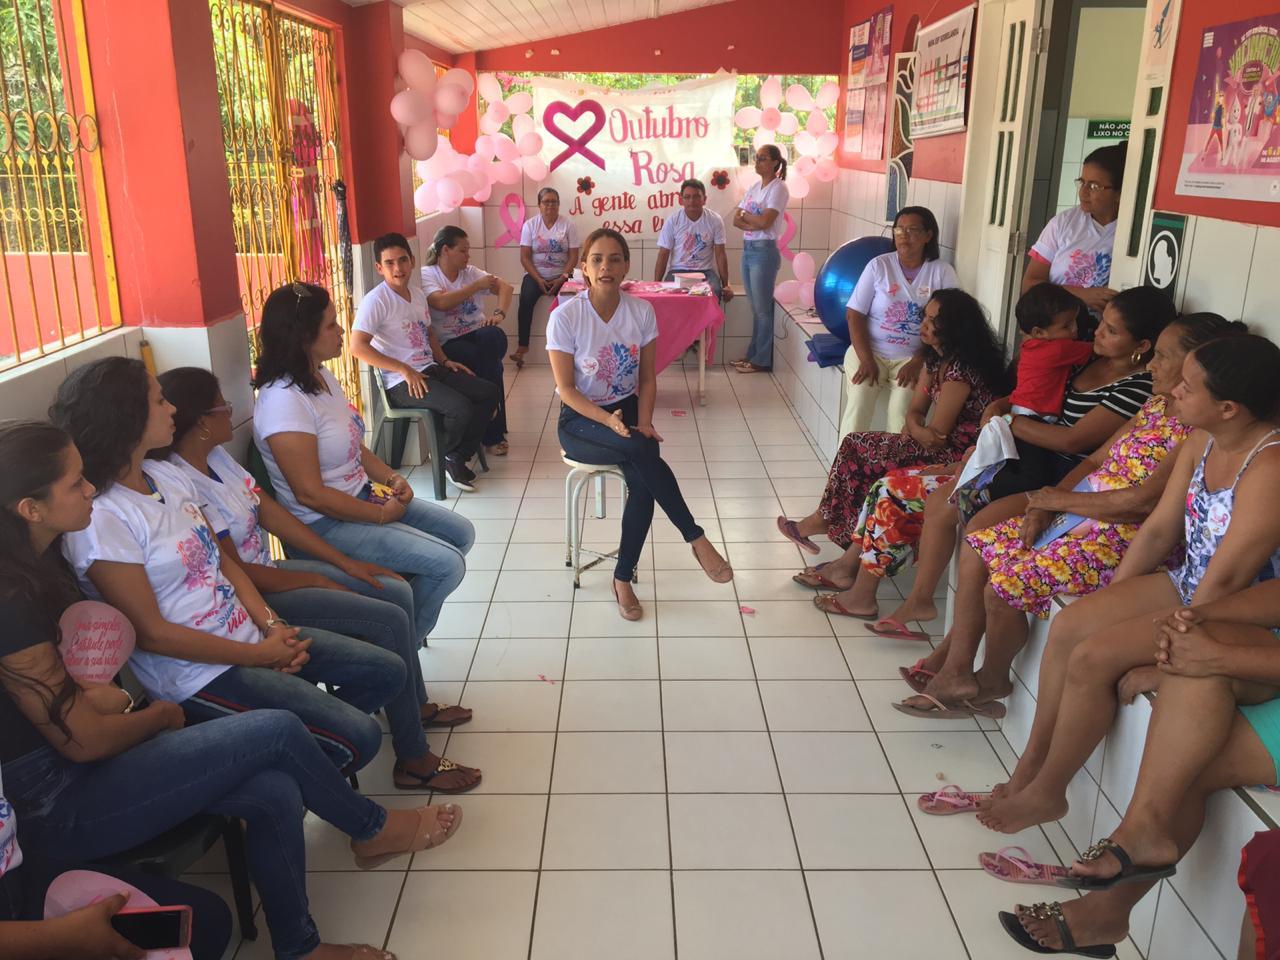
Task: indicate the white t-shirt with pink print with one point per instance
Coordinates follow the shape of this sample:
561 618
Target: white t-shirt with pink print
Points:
398 327
759 199
1077 249
550 245
231 504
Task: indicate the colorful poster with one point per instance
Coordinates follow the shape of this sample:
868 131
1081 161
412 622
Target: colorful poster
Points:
873 121
617 157
1232 146
859 52
854 111
869 47
1162 19
942 75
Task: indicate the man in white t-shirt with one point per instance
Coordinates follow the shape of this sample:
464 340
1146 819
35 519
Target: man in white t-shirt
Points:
692 241
393 332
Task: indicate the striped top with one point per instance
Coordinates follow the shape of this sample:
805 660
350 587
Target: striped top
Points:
1124 397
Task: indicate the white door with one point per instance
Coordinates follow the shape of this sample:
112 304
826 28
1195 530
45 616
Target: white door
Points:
1012 128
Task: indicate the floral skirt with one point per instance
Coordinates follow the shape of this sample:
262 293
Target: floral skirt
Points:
892 517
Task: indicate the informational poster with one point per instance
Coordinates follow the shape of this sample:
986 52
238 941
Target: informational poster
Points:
942 75
1232 147
1159 38
870 44
854 112
859 52
618 157
873 115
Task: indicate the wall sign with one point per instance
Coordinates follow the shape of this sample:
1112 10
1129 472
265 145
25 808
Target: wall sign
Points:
1164 252
942 75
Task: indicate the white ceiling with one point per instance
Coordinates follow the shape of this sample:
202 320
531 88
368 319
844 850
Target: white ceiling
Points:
460 26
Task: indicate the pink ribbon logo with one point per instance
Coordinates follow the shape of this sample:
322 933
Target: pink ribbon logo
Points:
511 213
787 234
574 144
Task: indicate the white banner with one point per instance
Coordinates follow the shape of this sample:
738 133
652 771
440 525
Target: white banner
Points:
618 156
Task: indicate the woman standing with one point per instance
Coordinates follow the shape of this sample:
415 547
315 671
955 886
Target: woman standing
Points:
602 345
884 315
760 217
548 251
467 335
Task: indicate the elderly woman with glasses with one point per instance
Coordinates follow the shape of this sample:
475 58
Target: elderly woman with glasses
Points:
1074 249
548 251
884 314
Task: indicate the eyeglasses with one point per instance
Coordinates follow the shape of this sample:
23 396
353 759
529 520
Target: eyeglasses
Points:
226 408
908 231
1093 186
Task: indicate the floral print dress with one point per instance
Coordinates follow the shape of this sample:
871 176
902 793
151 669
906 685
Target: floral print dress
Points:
888 531
864 458
1080 561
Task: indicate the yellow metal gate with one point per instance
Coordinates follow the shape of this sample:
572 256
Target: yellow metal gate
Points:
278 87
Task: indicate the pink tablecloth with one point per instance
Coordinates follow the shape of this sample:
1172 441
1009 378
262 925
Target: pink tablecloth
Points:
681 318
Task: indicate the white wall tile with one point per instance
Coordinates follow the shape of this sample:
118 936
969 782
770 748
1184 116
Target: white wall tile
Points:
1217 273
1263 292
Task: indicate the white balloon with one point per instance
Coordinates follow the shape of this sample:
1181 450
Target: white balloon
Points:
484 146
787 292
425 197
499 112
461 79
762 137
420 141
827 96
439 164
418 71
450 98
827 144
410 107
804 267
529 144
488 124
806 294
826 170
798 187
747 117
771 92
450 193
489 87
535 168
504 147
521 124
806 143
520 102
799 98
817 123
508 172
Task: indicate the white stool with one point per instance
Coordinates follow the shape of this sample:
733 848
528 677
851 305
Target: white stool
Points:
580 474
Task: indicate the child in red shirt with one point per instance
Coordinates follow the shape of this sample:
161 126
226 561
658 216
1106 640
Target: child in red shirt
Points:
1047 316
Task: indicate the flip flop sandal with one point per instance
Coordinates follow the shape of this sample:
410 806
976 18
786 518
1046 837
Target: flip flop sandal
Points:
1051 911
830 603
992 709
425 838
898 630
518 360
949 800
500 449
419 782
917 675
1130 872
819 582
446 716
363 951
1014 865
749 367
791 530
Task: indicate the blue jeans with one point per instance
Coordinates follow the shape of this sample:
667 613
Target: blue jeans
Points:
262 767
382 617
649 479
484 351
760 263
365 677
429 545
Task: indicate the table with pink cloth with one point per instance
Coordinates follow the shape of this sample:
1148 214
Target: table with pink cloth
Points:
683 320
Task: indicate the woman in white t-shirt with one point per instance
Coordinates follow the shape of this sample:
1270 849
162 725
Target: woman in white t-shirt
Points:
468 337
548 252
312 442
206 638
602 345
1074 249
333 592
884 315
760 217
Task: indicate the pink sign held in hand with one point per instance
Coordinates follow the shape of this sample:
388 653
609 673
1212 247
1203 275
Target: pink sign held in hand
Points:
75 889
97 640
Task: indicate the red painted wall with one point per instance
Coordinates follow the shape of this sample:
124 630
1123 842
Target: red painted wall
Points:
1196 15
936 158
767 37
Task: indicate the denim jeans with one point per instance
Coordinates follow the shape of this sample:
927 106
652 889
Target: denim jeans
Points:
429 545
262 767
465 404
485 351
530 294
382 617
365 677
760 263
649 478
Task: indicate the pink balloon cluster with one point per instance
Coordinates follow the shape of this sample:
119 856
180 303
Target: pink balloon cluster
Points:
426 104
799 290
815 143
498 110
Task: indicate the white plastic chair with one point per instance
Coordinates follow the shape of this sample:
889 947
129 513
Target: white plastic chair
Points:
580 474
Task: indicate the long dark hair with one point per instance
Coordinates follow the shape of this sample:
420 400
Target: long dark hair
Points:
965 337
104 407
291 320
1197 329
1145 312
1243 369
34 455
932 249
193 391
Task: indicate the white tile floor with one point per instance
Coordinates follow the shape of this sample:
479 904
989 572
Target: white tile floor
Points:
723 779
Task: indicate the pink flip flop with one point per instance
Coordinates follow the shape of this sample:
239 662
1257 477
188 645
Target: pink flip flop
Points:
791 530
897 630
1014 864
917 675
949 800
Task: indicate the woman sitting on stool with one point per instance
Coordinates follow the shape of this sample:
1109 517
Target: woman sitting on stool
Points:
602 346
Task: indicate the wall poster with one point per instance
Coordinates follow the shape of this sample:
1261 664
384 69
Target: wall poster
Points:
942 75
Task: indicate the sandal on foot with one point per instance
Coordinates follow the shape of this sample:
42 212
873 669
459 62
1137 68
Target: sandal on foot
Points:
1014 865
435 715
749 367
1051 911
363 951
917 675
791 530
447 777
499 449
950 800
830 603
991 709
897 630
1130 872
429 834
815 579
518 359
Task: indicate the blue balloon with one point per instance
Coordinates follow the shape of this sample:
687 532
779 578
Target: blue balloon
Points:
839 275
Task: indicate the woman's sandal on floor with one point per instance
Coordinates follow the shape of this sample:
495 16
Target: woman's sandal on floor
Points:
461 778
1130 872
363 951
815 579
791 530
830 603
746 366
917 675
1014 865
991 709
1051 911
429 834
628 611
950 800
435 715
499 449
518 359
897 630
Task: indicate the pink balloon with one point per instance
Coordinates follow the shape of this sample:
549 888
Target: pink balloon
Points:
439 165
806 143
520 102
805 165
817 123
450 192
521 124
468 181
461 79
489 87
445 121
508 172
747 117
420 142
488 124
787 292
505 147
425 197
484 146
418 71
827 96
806 294
479 165
410 107
535 168
491 172
799 98
798 187
771 92
827 144
826 170
770 118
450 99
483 193
789 124
804 267
529 144
499 112
762 137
